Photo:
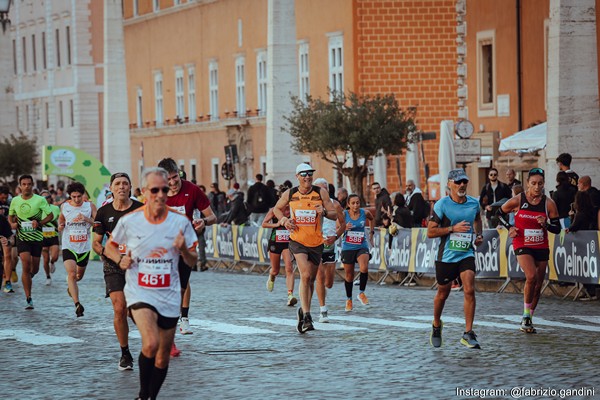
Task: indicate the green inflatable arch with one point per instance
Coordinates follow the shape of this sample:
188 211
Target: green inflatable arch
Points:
78 165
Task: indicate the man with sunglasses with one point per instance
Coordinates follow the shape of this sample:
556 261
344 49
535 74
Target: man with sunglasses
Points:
308 205
185 197
105 222
455 220
156 238
493 191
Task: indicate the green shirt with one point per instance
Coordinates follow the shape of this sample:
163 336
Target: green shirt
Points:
50 229
26 211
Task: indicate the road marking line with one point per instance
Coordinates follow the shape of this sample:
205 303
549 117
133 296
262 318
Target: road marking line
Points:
385 322
544 322
35 338
587 318
318 326
461 321
227 328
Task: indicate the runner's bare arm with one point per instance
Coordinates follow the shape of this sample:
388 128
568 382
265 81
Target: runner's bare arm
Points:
267 221
97 244
61 222
281 204
189 254
48 218
111 251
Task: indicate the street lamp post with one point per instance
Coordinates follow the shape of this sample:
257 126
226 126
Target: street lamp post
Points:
4 20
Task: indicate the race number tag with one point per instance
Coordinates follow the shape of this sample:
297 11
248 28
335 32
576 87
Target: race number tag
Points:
154 275
305 217
354 237
78 236
27 226
48 231
534 237
460 241
282 236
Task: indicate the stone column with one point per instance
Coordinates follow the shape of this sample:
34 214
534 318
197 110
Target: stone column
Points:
117 147
282 78
573 110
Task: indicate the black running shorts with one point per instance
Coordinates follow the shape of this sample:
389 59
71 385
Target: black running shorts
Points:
33 248
351 256
313 253
277 248
328 257
445 273
165 323
81 259
184 274
537 254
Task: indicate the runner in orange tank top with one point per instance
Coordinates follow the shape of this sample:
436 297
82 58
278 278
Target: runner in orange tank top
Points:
308 205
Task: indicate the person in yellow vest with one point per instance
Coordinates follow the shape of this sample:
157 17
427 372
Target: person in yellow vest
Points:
308 205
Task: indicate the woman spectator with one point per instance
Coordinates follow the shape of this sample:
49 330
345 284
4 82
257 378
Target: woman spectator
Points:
563 196
400 213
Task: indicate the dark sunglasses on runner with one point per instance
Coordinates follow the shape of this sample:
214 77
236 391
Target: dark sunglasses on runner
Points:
164 189
461 182
306 173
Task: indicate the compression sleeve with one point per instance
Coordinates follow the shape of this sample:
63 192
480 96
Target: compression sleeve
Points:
554 226
503 218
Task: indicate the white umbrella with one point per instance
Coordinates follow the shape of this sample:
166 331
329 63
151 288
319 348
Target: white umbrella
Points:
446 157
528 140
412 163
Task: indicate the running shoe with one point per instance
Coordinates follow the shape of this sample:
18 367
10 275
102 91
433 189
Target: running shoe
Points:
29 304
307 325
48 281
348 305
184 326
362 297
469 339
52 268
323 317
436 335
79 310
126 362
527 325
175 352
291 300
14 277
300 320
8 287
270 284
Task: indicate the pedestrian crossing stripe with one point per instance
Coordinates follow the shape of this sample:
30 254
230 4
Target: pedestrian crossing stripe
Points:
537 321
384 322
587 318
294 322
461 321
35 338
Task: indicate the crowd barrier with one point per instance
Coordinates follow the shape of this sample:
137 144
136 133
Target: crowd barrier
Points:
573 256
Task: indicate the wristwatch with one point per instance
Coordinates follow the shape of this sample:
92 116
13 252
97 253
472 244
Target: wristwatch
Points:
450 229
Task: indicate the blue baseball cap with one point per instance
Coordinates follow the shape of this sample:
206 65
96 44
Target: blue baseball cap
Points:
457 175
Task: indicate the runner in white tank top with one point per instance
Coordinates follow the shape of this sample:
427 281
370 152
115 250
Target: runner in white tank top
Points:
75 220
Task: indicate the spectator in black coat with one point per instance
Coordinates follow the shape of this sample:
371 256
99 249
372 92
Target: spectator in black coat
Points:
564 164
563 196
259 201
400 213
237 210
585 185
510 178
273 192
417 205
493 191
382 201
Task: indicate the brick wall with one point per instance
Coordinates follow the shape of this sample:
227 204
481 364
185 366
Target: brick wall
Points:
409 48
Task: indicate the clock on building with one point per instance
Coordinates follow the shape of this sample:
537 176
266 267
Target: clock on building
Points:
464 129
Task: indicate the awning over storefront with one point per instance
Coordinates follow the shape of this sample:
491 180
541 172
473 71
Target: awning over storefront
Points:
526 141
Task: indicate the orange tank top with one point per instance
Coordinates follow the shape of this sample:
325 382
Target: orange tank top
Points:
308 223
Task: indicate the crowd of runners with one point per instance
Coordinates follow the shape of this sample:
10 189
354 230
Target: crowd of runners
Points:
149 249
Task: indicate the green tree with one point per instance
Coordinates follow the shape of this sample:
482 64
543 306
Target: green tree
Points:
18 156
350 130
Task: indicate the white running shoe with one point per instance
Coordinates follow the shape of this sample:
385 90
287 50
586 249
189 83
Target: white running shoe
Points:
48 281
184 326
323 318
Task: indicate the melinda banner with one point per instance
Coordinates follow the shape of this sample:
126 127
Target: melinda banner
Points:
573 256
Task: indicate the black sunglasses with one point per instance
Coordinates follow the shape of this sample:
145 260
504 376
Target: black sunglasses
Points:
306 173
461 181
494 174
164 189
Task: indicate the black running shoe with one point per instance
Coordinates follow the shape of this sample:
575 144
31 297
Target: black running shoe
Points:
79 310
435 338
126 362
300 320
307 325
469 339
